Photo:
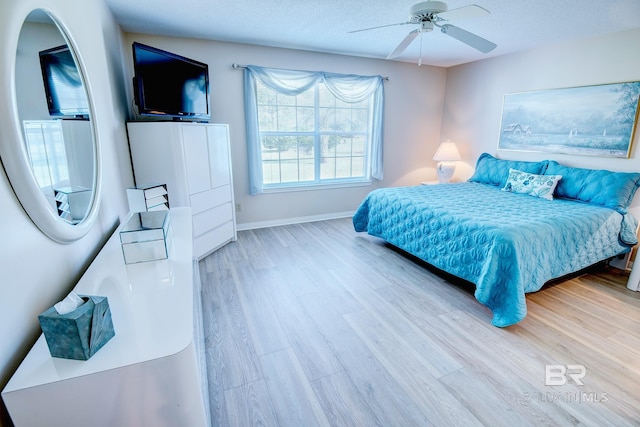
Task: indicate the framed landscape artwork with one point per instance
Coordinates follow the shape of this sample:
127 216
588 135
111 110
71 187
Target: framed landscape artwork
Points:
588 120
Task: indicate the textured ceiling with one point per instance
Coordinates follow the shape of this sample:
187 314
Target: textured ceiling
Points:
323 26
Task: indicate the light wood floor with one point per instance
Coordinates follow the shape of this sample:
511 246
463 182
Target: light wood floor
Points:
314 324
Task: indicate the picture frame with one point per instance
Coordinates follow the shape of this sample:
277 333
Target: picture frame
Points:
598 120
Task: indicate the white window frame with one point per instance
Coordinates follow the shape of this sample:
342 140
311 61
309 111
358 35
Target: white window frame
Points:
341 87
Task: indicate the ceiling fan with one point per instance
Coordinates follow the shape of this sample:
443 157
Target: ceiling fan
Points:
430 14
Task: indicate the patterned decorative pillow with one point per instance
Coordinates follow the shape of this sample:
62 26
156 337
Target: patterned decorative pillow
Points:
534 185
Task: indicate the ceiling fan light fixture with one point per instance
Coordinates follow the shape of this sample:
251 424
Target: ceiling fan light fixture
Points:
426 27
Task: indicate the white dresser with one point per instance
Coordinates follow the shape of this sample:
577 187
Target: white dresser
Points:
193 160
151 373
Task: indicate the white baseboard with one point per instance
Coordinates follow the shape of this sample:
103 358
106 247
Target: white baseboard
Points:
288 221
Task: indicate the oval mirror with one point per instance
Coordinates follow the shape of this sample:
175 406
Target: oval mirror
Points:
54 163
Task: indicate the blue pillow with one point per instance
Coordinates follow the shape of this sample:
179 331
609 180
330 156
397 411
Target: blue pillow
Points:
490 170
613 190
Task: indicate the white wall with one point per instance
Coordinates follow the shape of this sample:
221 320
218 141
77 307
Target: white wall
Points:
413 109
36 272
474 93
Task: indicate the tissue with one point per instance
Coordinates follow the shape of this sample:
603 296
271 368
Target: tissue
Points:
70 303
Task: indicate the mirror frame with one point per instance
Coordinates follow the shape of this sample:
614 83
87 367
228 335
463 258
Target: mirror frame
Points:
13 152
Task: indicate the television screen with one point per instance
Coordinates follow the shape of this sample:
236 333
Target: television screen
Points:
170 85
66 96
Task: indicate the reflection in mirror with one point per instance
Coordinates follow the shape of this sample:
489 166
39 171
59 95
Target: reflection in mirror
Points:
53 111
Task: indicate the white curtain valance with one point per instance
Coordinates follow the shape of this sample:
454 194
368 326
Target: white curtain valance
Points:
349 88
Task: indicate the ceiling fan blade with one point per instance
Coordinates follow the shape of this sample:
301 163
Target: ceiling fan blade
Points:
404 43
471 11
466 37
381 26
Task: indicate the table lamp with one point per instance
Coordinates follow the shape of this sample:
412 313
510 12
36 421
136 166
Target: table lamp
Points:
446 156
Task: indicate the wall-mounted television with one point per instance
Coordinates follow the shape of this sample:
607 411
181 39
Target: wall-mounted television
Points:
63 86
170 85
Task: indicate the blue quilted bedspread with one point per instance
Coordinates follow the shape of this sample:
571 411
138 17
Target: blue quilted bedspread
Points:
507 244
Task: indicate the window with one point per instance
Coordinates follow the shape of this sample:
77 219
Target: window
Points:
312 128
47 155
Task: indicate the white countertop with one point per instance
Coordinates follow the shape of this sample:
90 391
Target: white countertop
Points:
151 308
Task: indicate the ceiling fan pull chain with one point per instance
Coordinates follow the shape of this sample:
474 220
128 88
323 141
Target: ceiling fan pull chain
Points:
420 58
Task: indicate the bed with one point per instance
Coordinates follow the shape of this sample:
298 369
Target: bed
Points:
511 228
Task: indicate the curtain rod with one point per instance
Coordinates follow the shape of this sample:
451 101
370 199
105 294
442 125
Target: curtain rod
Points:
236 66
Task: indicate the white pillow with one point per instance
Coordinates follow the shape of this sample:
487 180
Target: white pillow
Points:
534 185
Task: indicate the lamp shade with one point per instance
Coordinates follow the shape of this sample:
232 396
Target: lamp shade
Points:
447 152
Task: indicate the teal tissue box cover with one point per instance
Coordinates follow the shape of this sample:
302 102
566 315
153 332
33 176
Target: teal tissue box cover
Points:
80 333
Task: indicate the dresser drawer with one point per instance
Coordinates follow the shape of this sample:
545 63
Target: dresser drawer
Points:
213 239
212 218
209 199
